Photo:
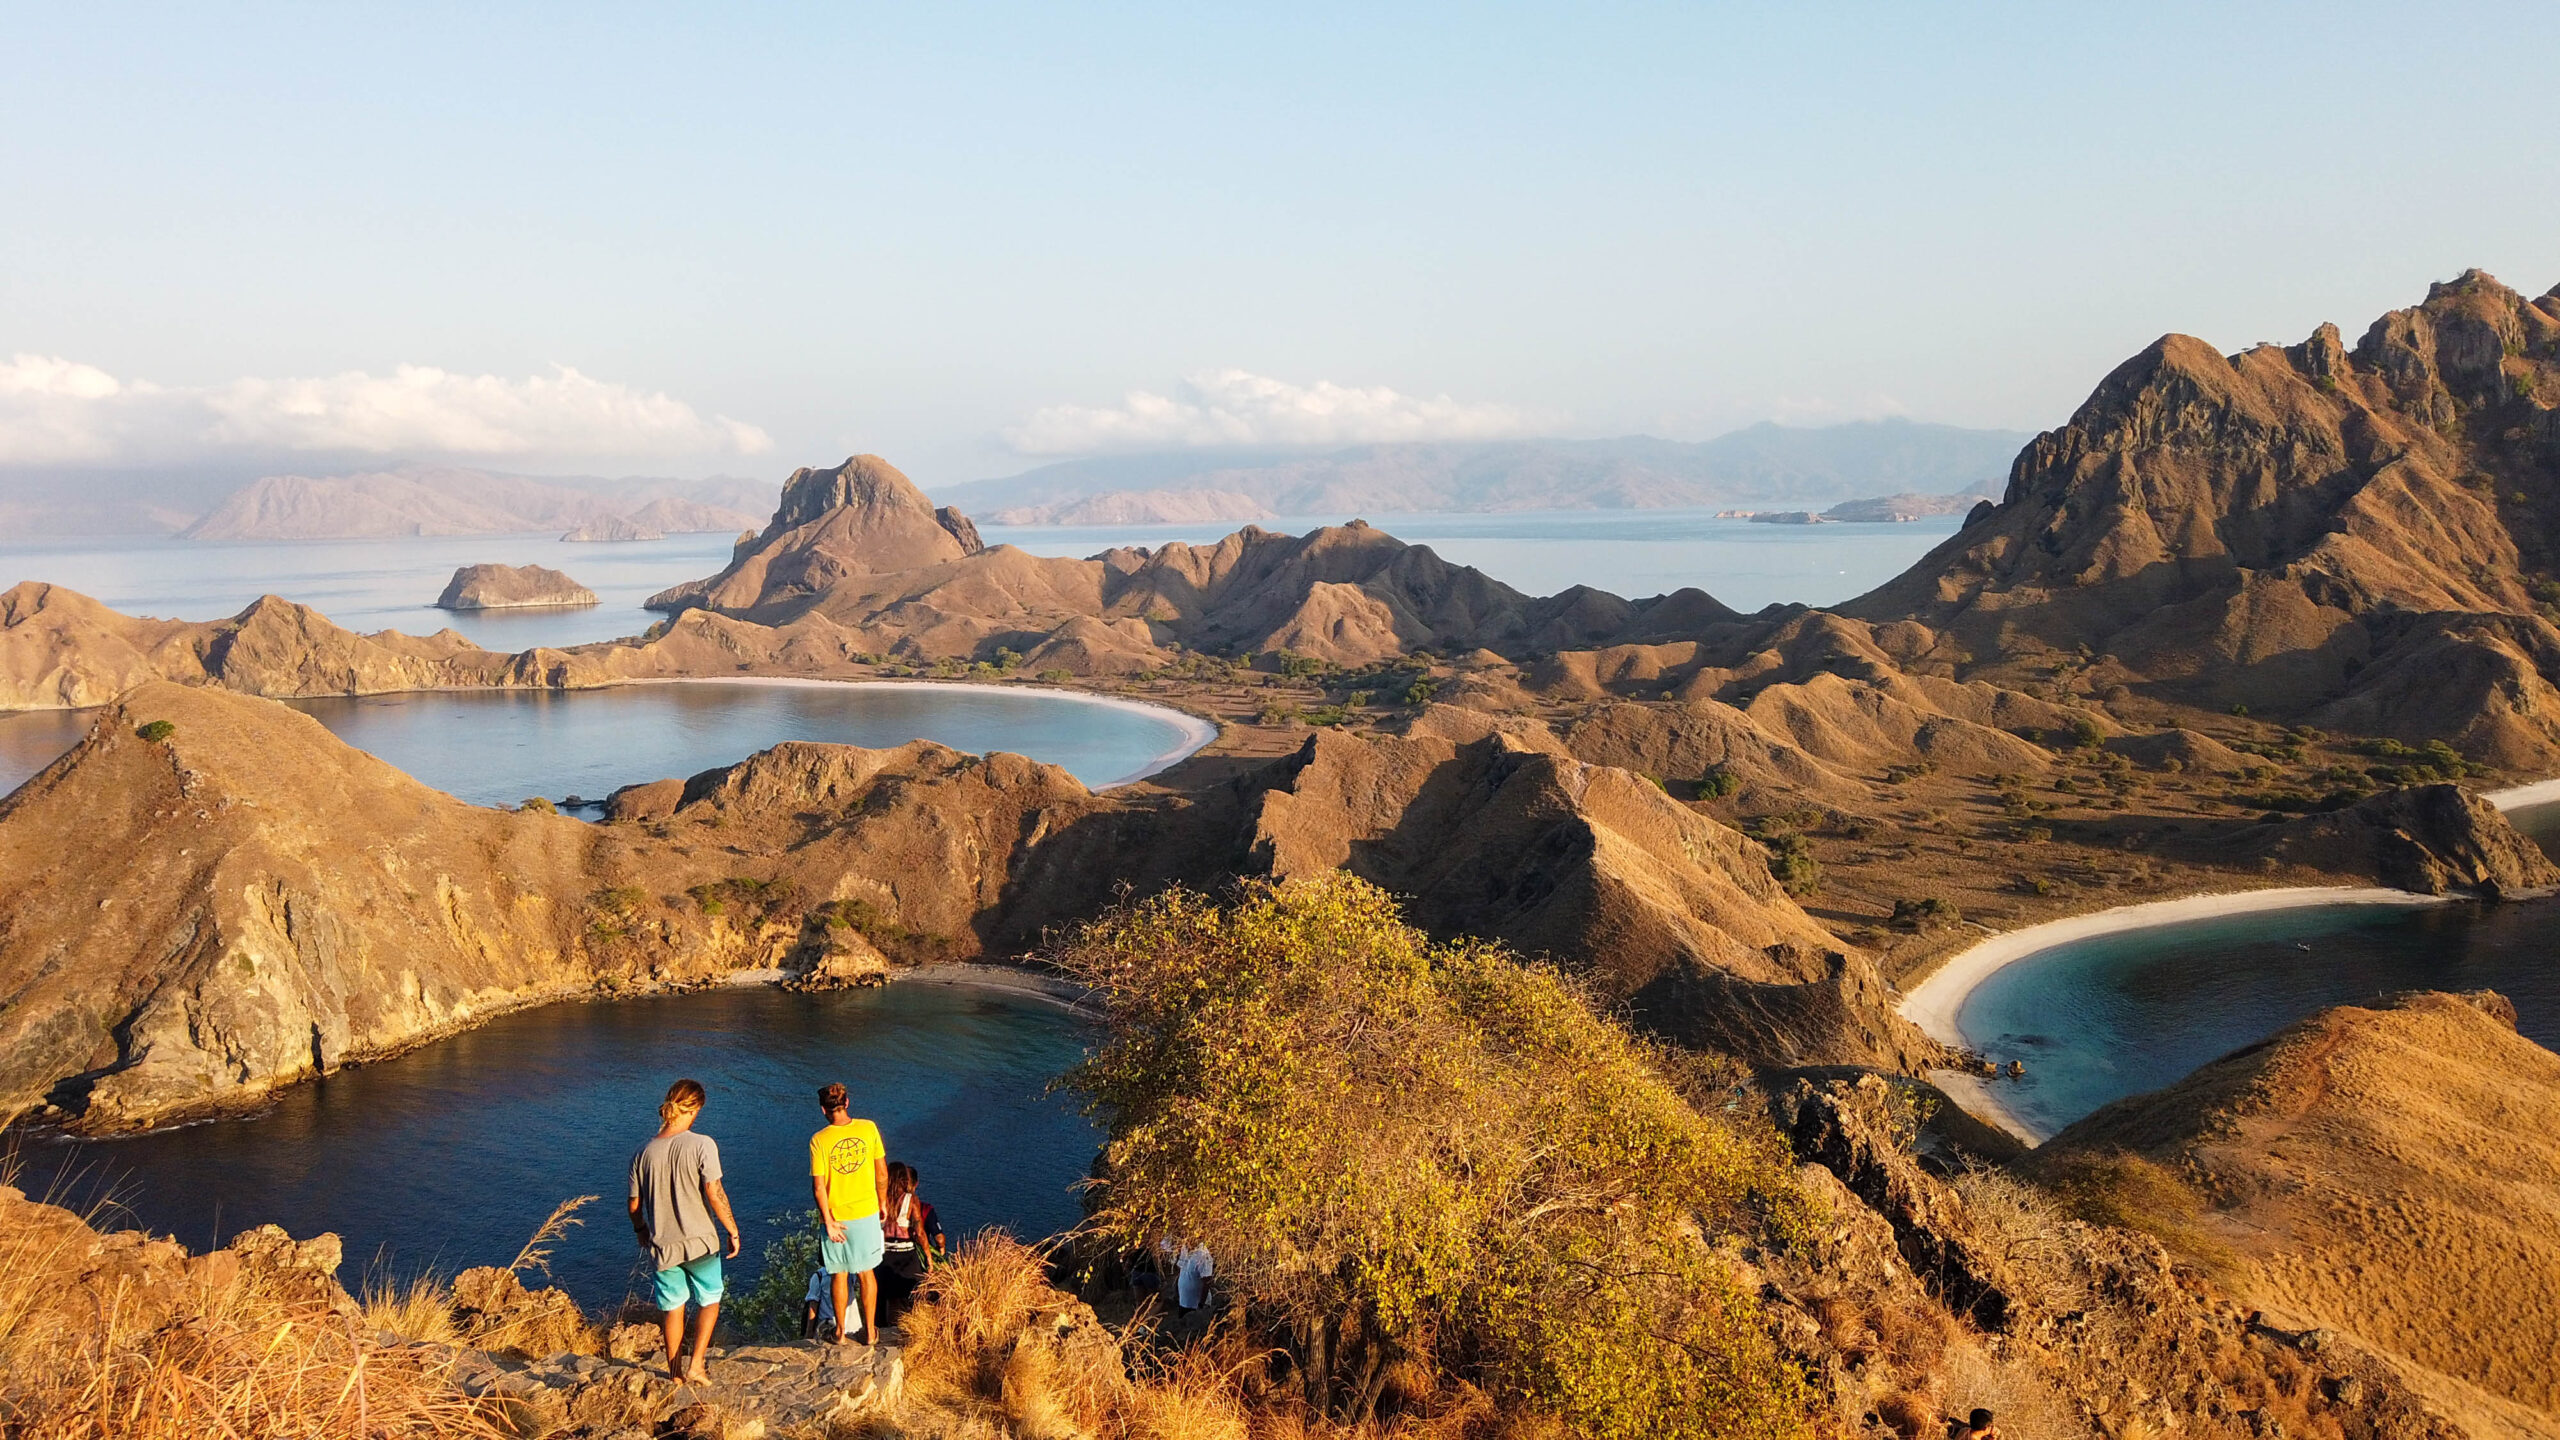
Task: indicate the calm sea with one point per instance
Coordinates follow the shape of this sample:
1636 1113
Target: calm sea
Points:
449 1156
369 585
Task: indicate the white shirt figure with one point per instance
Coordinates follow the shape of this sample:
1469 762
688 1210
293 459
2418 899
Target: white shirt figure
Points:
1191 1281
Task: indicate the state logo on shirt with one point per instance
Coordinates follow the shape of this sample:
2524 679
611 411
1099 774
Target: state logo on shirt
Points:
849 1155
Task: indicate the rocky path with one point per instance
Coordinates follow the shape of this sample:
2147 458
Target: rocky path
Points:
755 1390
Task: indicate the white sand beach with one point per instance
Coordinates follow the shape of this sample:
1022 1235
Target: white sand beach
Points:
1936 1002
1197 730
2517 797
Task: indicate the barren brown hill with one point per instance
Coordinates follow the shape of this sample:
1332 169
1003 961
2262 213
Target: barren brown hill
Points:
61 649
859 518
2364 539
2390 1174
860 547
192 916
1662 907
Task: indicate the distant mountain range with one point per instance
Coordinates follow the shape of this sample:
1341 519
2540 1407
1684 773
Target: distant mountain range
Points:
443 501
1763 466
409 500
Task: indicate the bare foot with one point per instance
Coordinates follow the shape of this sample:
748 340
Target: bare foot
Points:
697 1375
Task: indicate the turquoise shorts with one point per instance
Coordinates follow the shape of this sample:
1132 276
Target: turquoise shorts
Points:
858 1251
698 1280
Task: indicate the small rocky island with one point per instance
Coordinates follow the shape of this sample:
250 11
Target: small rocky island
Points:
609 529
510 587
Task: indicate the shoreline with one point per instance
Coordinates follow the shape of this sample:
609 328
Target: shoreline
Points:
1012 980
1935 1003
2519 797
1198 731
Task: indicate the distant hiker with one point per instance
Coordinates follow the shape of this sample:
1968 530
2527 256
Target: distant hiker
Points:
1976 1426
911 1235
1193 1268
675 1197
849 1172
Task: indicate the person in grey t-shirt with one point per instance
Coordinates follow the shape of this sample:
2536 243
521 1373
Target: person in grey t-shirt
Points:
675 1197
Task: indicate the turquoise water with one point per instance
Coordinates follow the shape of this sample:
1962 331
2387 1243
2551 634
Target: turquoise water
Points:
2116 1015
497 747
450 1156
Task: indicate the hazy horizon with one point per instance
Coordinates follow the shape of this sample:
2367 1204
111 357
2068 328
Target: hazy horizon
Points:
620 242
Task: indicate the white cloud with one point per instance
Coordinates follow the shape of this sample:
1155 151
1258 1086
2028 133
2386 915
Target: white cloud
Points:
1237 407
54 410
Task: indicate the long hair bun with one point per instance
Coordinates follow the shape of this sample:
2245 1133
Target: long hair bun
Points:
682 1096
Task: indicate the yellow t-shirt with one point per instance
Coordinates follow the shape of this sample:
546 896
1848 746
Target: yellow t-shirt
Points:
844 1155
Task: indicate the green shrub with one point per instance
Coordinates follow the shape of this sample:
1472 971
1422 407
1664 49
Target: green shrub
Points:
1530 1204
1419 693
540 806
1926 913
1717 784
1791 861
771 1310
1057 676
157 731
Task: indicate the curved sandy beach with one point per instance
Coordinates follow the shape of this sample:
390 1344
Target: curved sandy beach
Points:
1197 731
1934 1004
2517 797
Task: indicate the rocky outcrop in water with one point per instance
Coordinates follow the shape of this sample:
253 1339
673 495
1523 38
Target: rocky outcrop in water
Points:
508 587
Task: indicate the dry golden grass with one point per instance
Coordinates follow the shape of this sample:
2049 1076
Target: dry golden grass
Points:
993 1350
258 1356
420 1310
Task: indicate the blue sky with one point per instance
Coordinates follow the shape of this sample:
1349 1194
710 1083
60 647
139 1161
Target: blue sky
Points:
961 235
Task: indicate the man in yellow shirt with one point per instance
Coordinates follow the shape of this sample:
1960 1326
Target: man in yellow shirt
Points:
849 1170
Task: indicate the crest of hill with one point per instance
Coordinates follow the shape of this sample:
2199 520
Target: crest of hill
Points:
2361 538
2387 1172
861 549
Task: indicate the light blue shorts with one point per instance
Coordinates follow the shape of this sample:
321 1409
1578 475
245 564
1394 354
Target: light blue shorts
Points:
698 1280
858 1251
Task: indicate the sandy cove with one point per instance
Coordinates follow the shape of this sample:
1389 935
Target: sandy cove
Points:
1934 1004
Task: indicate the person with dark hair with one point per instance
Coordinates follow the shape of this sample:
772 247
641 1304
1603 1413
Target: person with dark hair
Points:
911 1237
849 1171
675 1198
1977 1426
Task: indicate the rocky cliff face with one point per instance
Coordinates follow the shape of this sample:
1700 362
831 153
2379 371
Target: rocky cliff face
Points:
861 550
862 517
506 587
2429 838
2361 537
2385 1174
1661 907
